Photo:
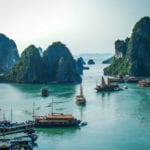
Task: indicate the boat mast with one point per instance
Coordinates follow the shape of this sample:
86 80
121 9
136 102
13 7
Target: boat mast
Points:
103 82
0 114
81 113
11 115
52 106
96 82
33 111
81 90
4 118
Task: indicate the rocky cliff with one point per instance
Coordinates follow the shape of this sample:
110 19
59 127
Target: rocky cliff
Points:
132 56
60 65
57 65
80 65
28 68
121 48
8 53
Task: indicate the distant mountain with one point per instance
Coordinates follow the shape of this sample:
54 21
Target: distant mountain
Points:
132 55
8 53
97 57
108 60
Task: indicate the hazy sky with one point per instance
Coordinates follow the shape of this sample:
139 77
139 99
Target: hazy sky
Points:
83 25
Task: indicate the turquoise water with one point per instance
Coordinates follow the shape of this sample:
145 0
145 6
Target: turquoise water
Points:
116 121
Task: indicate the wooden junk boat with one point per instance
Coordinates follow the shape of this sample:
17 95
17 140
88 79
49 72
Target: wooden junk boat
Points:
55 120
107 87
44 92
17 135
80 99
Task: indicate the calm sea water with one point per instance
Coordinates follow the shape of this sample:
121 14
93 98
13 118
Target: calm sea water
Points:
116 120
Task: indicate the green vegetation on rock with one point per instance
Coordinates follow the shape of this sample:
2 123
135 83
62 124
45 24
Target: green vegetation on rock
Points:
119 66
132 56
60 65
8 53
28 69
57 65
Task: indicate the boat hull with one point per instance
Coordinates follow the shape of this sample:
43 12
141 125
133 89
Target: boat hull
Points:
55 125
80 100
6 129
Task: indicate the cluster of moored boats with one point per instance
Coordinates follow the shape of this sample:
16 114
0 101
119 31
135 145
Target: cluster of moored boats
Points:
23 135
17 135
113 86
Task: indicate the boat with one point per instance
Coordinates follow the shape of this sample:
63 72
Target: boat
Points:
83 123
144 83
80 99
118 80
17 137
123 79
5 145
22 143
44 92
17 143
55 120
6 127
32 136
131 79
107 87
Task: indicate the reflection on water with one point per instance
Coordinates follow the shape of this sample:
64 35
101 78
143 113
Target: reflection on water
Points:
81 110
28 88
65 90
144 111
56 131
67 94
35 145
104 94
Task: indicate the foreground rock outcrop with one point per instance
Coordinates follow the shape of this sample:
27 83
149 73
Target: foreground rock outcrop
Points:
132 56
8 53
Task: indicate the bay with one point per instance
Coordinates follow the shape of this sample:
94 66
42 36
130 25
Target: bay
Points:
116 120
